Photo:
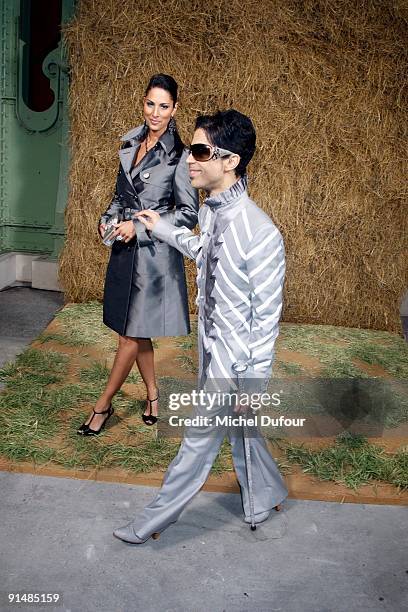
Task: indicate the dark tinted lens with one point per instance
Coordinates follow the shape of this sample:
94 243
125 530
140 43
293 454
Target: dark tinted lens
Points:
200 152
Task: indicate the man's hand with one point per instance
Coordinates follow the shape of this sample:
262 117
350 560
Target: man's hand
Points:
125 229
101 229
243 410
148 217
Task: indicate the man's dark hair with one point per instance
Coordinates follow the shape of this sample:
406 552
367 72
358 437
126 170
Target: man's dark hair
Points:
164 81
230 130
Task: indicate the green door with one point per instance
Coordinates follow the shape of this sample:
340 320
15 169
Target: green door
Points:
33 125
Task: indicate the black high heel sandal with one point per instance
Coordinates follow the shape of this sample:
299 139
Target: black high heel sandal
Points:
150 419
85 430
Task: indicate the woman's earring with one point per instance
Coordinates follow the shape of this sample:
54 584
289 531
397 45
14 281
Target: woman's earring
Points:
172 127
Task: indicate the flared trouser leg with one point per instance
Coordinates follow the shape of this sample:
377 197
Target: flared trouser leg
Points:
268 486
185 476
189 470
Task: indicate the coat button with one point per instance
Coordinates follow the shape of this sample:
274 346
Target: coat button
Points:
146 175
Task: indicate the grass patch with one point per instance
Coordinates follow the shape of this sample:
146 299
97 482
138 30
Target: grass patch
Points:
287 368
322 342
27 383
27 409
143 454
368 401
98 373
186 344
40 410
187 363
342 367
29 452
189 342
29 419
393 358
68 397
84 453
373 347
223 461
134 378
352 461
35 368
147 457
66 340
83 324
311 333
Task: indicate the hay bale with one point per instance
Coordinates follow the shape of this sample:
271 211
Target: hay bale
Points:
324 82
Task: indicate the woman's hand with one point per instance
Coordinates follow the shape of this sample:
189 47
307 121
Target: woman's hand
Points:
126 230
101 229
148 217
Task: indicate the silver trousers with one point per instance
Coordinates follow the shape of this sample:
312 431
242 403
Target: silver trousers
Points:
189 470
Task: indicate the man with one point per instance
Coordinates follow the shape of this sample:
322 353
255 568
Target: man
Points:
241 265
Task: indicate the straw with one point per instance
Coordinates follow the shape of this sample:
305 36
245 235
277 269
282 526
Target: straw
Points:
325 84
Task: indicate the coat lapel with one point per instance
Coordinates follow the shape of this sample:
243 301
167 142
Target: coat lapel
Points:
150 160
127 155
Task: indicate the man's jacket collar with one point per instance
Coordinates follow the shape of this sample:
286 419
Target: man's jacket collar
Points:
230 195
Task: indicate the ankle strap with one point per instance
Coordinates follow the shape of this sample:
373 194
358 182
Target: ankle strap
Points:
104 412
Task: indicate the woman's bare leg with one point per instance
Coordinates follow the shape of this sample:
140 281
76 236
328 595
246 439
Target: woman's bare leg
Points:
145 363
124 359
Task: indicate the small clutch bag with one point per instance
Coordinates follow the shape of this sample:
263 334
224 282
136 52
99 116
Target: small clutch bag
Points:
107 239
123 215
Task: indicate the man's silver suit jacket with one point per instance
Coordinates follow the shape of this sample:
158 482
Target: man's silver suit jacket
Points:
240 259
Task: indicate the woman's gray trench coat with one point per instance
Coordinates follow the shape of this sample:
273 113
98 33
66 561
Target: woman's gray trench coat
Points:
145 287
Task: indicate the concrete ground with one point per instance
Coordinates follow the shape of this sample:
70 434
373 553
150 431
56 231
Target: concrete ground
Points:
56 537
24 313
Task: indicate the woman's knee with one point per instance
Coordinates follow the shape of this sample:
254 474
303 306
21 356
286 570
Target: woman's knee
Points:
128 341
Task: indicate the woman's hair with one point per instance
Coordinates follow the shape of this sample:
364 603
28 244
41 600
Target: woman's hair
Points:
233 131
164 81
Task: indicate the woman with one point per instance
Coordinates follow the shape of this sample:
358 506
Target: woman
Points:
145 288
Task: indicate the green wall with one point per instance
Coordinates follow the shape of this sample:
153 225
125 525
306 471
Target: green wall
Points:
33 145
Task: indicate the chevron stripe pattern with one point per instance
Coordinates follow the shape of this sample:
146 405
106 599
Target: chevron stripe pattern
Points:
240 259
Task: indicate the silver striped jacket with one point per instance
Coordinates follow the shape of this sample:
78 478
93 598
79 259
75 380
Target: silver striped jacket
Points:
240 259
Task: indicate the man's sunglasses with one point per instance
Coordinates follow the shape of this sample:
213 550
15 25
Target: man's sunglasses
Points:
204 152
